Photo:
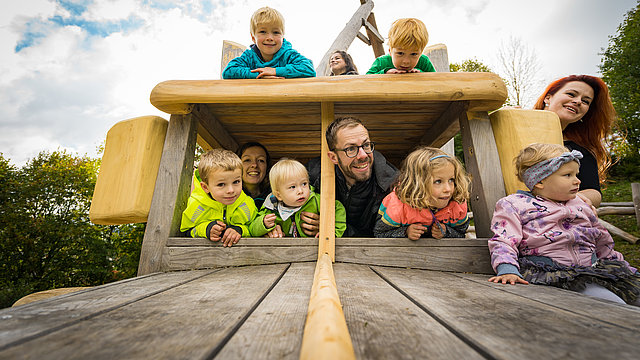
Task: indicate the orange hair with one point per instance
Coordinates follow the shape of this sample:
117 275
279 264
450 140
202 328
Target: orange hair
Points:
596 124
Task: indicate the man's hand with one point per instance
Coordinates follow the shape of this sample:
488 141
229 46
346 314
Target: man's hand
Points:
415 231
310 223
217 230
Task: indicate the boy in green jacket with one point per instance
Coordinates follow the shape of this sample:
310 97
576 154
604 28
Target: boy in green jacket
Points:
218 209
292 194
407 40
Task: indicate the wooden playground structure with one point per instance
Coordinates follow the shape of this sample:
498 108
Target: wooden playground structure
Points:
315 298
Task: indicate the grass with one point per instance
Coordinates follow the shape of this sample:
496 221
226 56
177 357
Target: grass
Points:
619 190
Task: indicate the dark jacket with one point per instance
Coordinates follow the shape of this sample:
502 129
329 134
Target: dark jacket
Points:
363 199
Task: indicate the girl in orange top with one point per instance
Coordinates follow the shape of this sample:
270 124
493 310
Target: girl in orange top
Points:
429 198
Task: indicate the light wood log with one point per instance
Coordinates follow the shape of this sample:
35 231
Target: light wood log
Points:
325 333
619 232
327 237
635 193
484 91
620 203
128 171
439 56
515 129
171 191
481 161
374 37
345 37
616 210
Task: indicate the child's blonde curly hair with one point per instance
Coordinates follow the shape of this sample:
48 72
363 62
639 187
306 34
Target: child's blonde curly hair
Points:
413 185
408 33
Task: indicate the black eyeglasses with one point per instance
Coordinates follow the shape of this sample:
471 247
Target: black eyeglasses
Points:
352 151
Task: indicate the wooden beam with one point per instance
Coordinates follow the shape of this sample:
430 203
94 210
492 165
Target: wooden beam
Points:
447 125
615 210
345 37
211 130
376 42
362 37
635 193
371 29
327 237
326 335
483 163
171 191
619 232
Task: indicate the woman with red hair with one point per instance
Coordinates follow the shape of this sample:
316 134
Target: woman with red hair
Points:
586 115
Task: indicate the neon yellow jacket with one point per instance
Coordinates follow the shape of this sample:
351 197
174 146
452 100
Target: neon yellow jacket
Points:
202 211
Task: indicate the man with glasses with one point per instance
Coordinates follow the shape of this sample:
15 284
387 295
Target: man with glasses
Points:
363 176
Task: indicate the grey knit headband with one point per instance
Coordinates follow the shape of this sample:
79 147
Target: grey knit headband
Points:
543 169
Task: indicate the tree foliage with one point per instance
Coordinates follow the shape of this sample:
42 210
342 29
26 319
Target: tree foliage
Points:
46 238
469 65
620 69
519 69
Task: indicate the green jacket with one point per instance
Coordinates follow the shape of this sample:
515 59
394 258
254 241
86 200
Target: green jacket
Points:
202 211
384 63
312 205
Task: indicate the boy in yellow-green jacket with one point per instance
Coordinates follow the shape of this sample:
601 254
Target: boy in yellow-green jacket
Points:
292 194
218 209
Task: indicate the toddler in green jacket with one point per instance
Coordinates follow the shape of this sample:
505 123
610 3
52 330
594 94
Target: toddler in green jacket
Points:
407 40
218 209
292 194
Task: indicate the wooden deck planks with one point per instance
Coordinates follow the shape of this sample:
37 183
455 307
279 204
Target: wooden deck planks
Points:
274 330
188 321
36 319
508 326
384 324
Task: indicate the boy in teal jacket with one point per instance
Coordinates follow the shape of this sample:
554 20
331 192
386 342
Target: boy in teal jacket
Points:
271 55
218 209
291 196
407 40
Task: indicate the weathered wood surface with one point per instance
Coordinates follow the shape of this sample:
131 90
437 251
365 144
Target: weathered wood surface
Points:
615 210
254 312
327 233
614 230
635 193
464 255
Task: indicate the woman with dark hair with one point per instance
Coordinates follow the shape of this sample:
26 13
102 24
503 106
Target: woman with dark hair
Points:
586 115
256 163
341 63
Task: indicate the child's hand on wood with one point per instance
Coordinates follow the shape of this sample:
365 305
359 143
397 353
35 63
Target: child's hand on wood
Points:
415 231
276 233
437 230
217 230
508 279
267 73
230 237
269 220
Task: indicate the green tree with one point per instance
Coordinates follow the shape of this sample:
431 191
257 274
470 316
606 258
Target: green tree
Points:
620 69
46 238
469 65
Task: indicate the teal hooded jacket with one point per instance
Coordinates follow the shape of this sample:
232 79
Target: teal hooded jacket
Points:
288 63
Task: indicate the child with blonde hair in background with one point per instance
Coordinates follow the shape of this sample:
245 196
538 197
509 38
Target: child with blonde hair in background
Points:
551 236
429 198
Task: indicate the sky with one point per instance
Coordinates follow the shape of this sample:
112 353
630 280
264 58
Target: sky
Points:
71 69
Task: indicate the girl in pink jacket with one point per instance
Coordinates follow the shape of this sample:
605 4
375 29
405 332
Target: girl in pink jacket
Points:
429 198
550 236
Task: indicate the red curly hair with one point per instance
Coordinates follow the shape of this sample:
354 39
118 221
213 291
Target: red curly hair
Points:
596 124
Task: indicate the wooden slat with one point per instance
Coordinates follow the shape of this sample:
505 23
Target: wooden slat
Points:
484 91
171 192
210 129
482 161
190 321
621 315
503 325
384 324
325 332
446 127
635 193
37 319
327 234
274 329
187 258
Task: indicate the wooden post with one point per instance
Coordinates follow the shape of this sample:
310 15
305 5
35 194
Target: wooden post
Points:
635 193
482 162
171 191
327 237
326 335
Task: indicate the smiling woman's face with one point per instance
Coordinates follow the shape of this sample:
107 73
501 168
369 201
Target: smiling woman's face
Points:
254 165
571 102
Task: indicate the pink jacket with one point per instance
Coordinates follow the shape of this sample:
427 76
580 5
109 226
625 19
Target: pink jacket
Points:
569 233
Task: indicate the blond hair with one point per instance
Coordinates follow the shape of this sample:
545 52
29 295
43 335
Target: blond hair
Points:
284 170
408 33
218 160
266 16
534 154
413 185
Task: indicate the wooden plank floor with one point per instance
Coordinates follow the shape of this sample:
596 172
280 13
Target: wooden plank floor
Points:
258 312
